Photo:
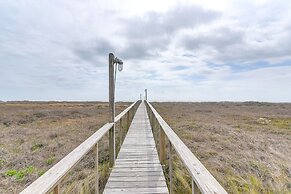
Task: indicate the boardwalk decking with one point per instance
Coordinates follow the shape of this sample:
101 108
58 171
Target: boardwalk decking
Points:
137 168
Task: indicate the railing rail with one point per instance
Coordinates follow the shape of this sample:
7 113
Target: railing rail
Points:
202 180
50 181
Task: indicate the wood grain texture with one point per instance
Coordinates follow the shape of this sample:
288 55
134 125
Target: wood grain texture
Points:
137 168
201 176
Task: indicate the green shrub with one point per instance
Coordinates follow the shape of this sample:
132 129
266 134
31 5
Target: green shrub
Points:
50 160
20 174
36 146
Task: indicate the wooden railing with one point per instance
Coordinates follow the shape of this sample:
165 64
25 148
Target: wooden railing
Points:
202 180
50 181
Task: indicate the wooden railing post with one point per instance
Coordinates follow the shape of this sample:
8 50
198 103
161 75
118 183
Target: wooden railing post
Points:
132 114
96 169
121 132
151 118
129 118
127 121
124 127
171 167
112 146
162 145
57 189
195 189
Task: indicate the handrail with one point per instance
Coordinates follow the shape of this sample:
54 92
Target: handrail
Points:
50 180
118 117
200 175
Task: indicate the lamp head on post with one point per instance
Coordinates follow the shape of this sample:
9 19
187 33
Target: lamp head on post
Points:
120 64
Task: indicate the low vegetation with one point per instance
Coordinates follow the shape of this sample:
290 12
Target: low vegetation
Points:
35 135
244 145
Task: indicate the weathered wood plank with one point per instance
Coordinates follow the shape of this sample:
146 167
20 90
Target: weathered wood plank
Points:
137 168
159 190
137 174
136 179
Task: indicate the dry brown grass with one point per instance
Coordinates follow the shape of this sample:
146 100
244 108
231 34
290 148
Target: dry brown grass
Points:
35 136
246 146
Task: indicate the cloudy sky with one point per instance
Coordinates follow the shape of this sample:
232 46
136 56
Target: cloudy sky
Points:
180 50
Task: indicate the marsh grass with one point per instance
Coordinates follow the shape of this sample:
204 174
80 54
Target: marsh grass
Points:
244 155
40 134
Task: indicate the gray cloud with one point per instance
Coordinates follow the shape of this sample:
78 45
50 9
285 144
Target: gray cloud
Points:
93 52
155 24
230 44
153 32
218 39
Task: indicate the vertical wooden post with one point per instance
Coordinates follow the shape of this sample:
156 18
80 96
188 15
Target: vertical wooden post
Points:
129 118
131 115
57 189
111 147
120 132
171 168
195 189
111 111
96 169
150 117
124 127
127 121
162 146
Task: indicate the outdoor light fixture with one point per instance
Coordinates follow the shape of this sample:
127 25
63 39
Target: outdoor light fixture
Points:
120 65
118 62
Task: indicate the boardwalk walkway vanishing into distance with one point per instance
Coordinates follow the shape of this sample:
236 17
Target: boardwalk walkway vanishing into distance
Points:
138 167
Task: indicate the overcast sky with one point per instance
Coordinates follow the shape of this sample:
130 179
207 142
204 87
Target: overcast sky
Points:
180 50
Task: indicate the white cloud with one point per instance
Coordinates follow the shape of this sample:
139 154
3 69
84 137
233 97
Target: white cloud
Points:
179 50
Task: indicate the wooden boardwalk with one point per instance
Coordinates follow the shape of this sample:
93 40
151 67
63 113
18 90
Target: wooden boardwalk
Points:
137 168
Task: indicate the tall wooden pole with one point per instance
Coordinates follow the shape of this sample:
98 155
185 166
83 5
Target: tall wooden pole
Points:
111 111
